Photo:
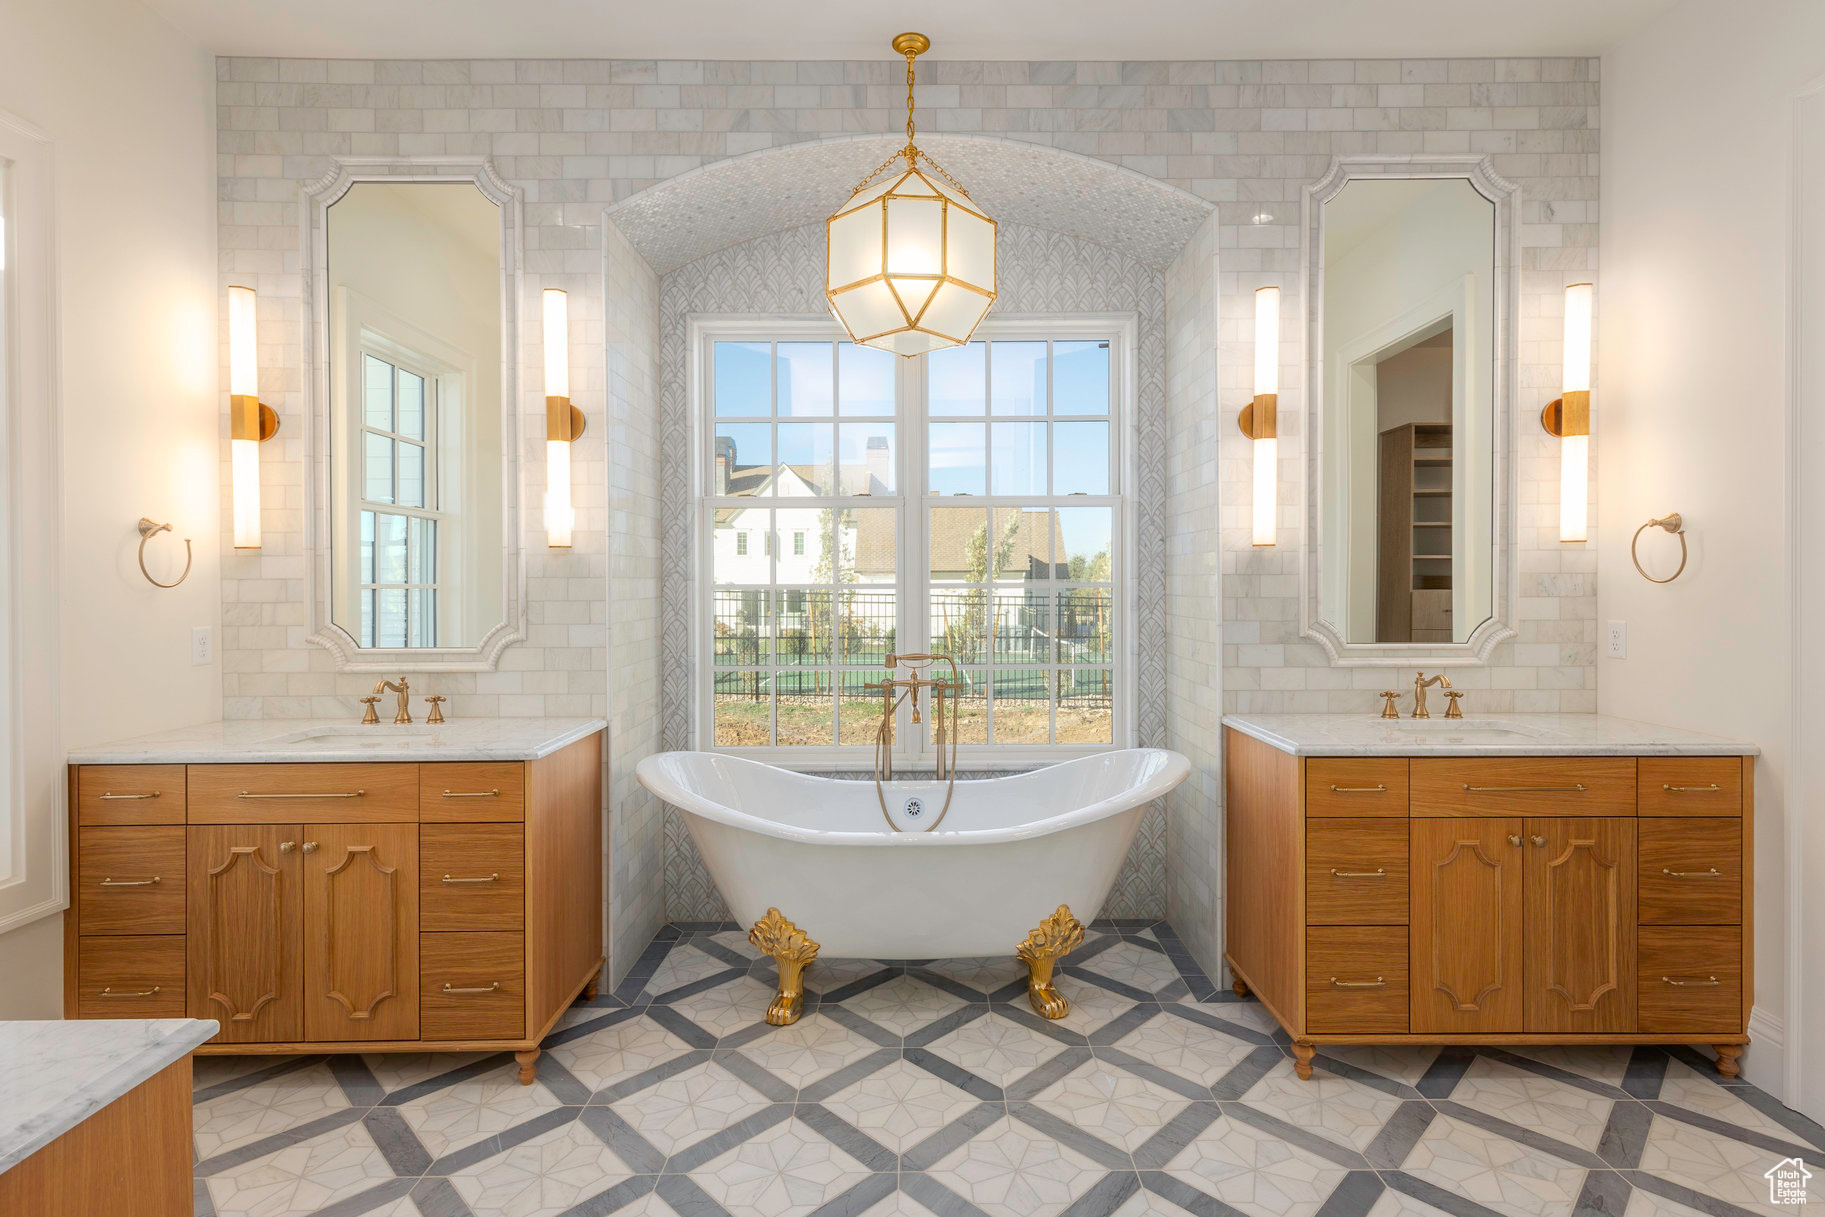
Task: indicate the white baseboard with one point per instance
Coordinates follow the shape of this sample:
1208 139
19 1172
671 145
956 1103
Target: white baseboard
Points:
1764 1061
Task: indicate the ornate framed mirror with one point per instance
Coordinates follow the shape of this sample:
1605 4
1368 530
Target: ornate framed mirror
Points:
1410 273
412 297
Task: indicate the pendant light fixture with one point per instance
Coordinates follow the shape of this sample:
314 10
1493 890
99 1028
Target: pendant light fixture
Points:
911 259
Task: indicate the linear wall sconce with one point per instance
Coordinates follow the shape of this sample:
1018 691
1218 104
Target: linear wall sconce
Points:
563 421
1260 419
1568 417
250 423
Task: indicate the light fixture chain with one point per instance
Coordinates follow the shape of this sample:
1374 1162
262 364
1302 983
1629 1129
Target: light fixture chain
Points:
911 152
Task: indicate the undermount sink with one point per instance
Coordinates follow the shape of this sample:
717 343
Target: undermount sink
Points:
1448 730
356 736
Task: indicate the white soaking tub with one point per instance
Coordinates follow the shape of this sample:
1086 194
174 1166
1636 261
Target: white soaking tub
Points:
1010 854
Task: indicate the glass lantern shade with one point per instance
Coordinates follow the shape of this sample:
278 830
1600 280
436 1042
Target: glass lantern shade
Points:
911 264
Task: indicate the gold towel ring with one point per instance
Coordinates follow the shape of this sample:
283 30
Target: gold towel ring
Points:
148 528
1672 524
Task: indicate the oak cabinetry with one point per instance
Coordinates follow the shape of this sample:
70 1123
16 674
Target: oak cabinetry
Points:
389 906
1551 899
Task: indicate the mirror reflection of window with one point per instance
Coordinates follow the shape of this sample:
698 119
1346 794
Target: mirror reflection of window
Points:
416 476
1408 410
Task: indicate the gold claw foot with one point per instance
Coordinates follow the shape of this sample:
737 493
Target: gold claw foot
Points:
1056 937
775 936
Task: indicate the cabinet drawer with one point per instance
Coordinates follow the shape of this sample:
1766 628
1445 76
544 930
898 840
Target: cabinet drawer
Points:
1356 786
1524 785
471 986
309 794
461 792
1356 979
1691 871
130 880
471 877
1356 872
1690 980
130 976
1692 785
129 794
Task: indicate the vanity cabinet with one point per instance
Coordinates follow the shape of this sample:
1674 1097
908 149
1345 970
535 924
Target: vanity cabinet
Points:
1486 899
340 907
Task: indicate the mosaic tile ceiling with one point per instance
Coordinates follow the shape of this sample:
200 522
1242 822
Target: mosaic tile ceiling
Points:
931 1090
732 201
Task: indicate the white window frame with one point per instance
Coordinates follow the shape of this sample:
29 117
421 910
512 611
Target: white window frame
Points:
436 460
913 748
34 865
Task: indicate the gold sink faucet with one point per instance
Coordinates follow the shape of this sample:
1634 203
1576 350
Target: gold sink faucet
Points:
1420 685
403 689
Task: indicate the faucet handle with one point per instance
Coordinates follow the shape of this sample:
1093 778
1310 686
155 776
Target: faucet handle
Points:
1453 710
1387 705
368 715
437 709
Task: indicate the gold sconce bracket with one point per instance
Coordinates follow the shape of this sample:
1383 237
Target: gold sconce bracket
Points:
1260 419
251 418
1568 415
563 421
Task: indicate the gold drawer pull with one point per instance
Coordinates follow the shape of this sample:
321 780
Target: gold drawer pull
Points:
129 992
149 795
1377 873
493 988
472 794
1706 983
494 878
1377 983
1576 788
1713 873
1335 789
1707 789
250 795
130 882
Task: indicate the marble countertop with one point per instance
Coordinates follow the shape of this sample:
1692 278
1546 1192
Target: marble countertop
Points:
55 1075
274 740
1479 735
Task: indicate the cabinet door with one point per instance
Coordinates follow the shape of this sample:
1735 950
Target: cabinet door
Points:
244 906
1467 925
361 932
1580 925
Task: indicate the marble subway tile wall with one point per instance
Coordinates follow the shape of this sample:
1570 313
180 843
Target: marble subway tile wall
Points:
576 135
636 831
1194 572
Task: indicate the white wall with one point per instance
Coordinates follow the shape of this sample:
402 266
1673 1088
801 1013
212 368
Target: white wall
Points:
129 104
1693 381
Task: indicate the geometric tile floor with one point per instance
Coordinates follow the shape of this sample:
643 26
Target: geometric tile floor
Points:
930 1089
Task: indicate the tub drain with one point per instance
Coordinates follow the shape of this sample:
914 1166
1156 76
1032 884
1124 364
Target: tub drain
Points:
915 808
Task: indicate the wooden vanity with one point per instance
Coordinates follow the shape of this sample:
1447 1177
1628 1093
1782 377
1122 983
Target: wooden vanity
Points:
1491 899
367 906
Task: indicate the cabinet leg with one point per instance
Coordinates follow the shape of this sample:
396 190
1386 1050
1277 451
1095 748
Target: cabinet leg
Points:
593 988
1302 1060
1237 987
529 1066
1726 1059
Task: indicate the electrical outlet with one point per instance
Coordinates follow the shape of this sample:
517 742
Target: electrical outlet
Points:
202 646
1619 640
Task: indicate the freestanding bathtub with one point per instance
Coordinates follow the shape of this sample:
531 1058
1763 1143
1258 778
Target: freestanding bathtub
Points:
798 854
